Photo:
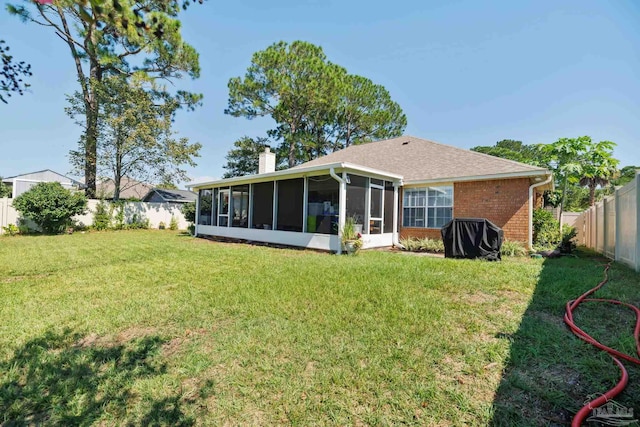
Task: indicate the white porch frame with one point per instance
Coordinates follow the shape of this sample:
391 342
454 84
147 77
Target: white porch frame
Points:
330 242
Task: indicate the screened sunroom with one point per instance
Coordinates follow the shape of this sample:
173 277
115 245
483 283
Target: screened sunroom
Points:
304 207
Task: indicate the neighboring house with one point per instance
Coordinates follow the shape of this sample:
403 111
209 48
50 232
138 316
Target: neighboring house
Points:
130 189
21 183
165 195
394 188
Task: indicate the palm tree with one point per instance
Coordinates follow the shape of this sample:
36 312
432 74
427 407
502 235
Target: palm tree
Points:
598 167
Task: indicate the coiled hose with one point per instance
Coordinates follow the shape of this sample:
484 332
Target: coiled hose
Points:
584 412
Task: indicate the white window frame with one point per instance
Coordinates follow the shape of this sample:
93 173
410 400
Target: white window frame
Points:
425 206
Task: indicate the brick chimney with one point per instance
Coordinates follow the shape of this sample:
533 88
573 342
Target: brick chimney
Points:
267 161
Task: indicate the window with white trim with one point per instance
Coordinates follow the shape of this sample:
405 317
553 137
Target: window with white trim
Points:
427 207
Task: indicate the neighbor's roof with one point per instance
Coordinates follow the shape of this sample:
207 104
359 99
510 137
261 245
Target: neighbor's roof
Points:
129 188
421 160
180 196
40 175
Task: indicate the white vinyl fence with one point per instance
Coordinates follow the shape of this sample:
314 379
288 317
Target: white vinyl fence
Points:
154 212
612 226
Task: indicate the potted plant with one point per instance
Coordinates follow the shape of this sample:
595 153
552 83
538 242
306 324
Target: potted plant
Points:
351 239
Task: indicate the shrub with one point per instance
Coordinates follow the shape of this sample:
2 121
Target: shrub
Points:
102 216
23 227
173 224
119 223
567 244
431 245
50 206
189 212
413 244
161 226
138 222
11 229
546 230
513 248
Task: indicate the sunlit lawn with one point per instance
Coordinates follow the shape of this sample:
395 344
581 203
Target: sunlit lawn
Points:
153 327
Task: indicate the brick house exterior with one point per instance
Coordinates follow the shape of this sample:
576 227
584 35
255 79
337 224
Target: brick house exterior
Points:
504 202
483 186
390 189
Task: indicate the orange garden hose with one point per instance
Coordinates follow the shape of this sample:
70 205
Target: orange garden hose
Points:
615 354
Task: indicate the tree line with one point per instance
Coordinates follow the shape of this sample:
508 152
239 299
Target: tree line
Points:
584 170
123 52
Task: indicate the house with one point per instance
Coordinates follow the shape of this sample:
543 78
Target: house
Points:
394 188
165 195
130 189
22 183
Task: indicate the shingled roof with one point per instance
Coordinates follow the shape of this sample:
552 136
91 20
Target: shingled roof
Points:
419 159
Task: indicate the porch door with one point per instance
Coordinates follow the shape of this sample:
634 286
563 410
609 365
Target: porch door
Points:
223 208
376 206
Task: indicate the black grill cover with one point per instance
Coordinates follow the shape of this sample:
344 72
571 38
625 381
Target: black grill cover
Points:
472 238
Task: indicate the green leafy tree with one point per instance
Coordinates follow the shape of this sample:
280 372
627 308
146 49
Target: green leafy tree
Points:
50 206
317 105
516 150
11 74
243 158
366 113
625 175
123 38
5 191
566 160
135 139
598 167
189 211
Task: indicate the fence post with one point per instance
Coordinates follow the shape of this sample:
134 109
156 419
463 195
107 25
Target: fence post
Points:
637 255
616 204
605 234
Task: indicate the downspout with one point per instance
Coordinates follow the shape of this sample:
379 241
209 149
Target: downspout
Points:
531 187
396 207
342 203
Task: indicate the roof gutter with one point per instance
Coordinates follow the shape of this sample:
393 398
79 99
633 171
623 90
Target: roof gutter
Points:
508 175
531 188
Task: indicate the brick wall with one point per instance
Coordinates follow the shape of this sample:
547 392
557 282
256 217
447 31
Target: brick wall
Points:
503 202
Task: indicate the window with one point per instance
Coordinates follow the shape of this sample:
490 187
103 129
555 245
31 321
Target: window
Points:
205 205
290 201
322 206
263 205
430 207
240 206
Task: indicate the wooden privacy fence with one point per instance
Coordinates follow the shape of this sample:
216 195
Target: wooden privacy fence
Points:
154 212
612 226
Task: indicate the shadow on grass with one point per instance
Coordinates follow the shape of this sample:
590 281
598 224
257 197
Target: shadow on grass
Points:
550 373
65 379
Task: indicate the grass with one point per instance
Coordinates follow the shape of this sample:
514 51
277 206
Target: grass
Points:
153 327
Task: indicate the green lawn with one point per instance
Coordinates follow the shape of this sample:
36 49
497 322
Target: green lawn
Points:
153 327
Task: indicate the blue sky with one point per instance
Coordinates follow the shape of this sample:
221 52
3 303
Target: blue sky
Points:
466 73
